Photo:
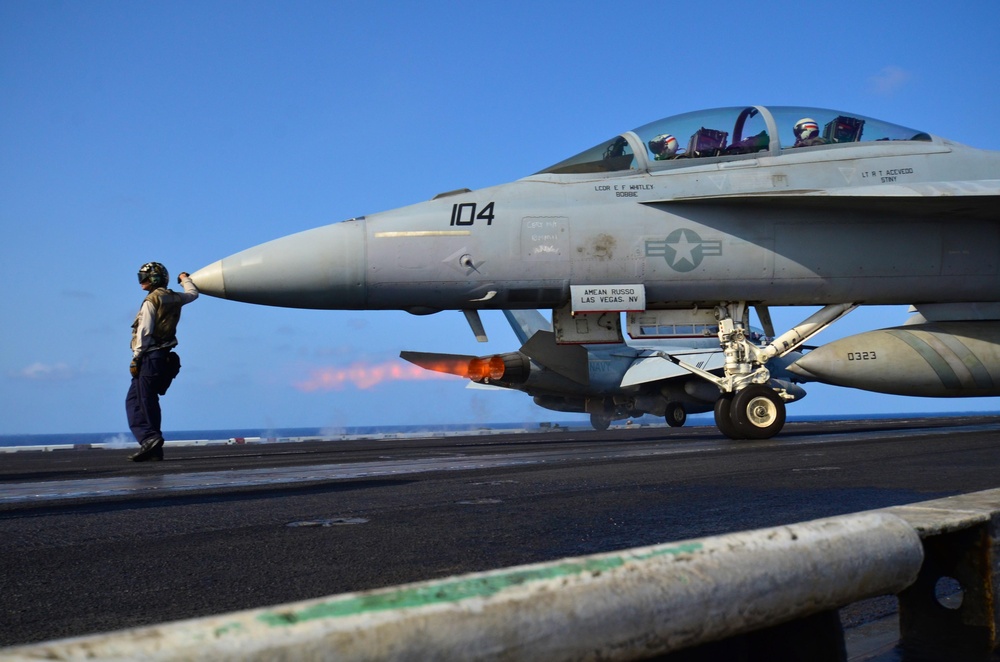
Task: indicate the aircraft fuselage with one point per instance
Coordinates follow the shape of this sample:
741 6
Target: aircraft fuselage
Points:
877 222
762 208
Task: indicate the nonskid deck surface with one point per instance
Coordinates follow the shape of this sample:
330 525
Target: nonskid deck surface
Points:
95 543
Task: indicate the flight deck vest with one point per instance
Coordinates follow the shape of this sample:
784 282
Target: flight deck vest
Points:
167 305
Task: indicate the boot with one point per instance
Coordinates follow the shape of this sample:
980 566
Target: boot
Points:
150 450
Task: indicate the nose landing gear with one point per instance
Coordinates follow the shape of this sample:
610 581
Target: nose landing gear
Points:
749 407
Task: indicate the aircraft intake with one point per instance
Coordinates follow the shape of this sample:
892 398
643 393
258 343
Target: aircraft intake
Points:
941 359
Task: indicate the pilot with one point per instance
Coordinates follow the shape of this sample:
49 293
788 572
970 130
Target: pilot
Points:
664 147
806 132
616 149
154 366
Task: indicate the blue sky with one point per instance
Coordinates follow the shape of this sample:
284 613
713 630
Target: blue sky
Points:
184 132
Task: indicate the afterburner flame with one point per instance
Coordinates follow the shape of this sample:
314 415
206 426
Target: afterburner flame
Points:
486 368
362 376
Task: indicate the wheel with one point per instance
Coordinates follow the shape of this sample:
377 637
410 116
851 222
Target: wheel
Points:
723 416
676 416
599 422
758 412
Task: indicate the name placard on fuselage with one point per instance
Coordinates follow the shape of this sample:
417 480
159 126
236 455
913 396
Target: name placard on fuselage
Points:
607 298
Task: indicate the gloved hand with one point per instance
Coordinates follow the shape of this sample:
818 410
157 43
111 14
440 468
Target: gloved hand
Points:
133 367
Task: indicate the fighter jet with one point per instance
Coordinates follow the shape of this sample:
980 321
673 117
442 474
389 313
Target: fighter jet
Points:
609 381
760 207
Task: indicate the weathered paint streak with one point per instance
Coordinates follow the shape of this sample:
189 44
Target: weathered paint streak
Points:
462 589
235 628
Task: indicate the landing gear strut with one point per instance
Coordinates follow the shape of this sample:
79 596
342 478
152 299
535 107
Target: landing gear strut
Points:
749 406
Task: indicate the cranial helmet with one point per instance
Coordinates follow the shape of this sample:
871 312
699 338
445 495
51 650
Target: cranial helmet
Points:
806 128
663 145
155 273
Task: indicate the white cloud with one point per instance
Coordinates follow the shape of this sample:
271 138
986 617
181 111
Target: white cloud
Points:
51 372
889 80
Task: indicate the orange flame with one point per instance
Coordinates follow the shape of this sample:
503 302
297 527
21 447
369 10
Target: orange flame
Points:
486 368
363 376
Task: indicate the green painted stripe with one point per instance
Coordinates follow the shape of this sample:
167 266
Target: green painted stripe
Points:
460 589
980 373
944 371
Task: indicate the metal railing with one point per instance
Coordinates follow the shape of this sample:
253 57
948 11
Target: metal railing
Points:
743 588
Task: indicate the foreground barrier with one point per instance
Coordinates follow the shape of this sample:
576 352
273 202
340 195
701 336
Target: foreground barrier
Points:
765 594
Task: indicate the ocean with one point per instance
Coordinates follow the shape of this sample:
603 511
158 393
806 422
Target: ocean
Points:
125 440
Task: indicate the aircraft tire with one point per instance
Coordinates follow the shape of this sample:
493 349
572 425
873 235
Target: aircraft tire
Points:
676 416
600 423
758 412
723 416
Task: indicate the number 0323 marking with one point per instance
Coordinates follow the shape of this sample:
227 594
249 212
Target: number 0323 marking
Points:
861 356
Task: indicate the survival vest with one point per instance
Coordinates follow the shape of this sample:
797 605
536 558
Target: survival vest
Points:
167 305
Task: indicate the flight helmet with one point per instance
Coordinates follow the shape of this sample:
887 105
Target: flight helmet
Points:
806 128
663 145
155 273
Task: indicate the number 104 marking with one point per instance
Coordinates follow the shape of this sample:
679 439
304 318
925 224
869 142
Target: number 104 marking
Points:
464 213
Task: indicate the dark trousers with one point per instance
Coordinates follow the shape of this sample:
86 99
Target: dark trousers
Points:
142 404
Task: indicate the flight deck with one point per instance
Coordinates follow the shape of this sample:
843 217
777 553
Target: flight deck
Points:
95 543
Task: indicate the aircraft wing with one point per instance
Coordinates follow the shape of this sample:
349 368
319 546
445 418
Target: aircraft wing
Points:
654 368
454 364
965 199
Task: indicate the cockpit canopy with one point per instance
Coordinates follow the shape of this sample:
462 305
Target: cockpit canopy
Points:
731 132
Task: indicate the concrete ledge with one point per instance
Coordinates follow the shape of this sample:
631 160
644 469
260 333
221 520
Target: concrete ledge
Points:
951 513
619 606
961 538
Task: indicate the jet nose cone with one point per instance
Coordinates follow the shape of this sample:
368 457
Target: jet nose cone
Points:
322 268
209 280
